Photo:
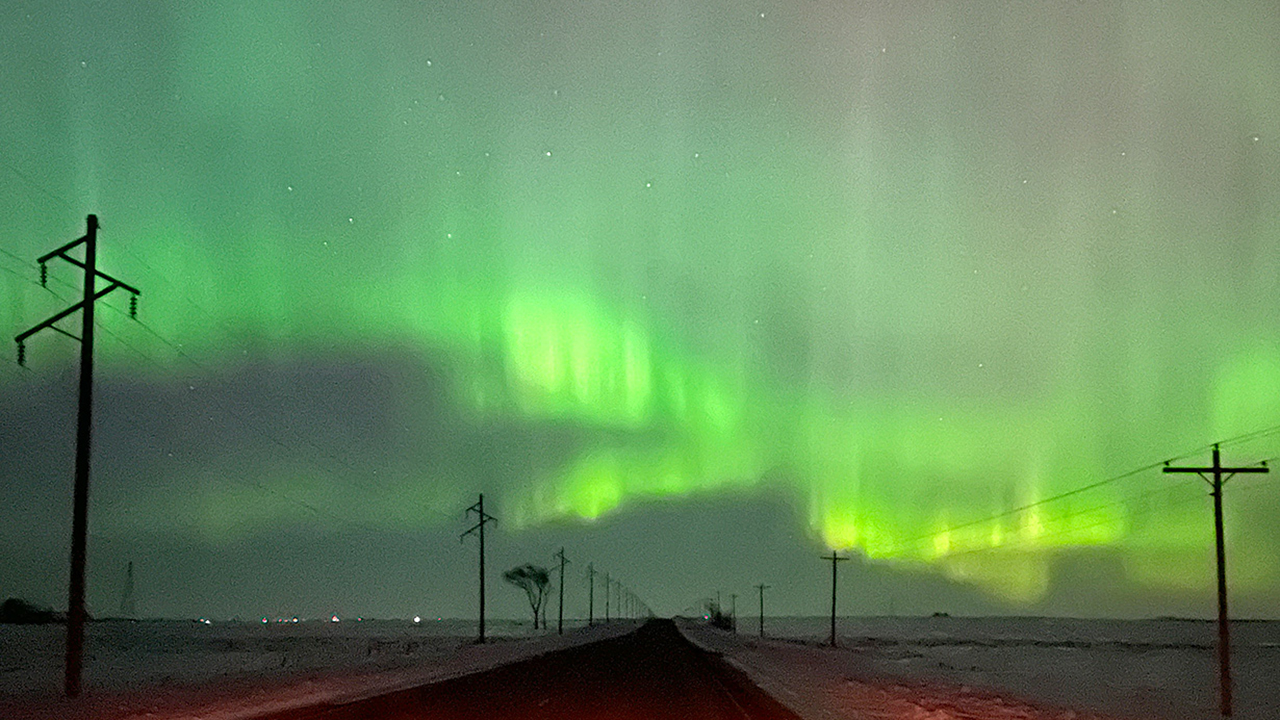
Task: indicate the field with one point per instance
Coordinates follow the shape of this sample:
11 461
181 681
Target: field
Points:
1162 669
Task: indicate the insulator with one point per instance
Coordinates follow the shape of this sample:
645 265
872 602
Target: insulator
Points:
44 275
133 306
22 354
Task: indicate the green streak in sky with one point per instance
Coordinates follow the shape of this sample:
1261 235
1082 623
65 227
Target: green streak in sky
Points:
910 270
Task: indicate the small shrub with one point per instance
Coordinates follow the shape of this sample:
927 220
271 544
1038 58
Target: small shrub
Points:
718 617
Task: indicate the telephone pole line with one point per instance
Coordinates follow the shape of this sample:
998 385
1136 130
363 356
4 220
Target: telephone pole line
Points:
478 528
762 587
834 558
591 594
560 621
1224 632
84 427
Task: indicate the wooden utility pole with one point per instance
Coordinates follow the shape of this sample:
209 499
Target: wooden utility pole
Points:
478 528
560 621
607 591
76 614
733 614
127 607
834 558
591 594
762 587
1224 632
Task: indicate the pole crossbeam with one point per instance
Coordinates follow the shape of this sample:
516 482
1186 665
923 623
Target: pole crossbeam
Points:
58 251
1218 471
49 322
76 614
62 255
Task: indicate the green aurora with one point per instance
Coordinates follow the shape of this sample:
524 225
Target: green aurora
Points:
913 269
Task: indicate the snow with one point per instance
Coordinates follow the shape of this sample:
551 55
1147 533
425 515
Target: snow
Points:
997 668
884 669
225 671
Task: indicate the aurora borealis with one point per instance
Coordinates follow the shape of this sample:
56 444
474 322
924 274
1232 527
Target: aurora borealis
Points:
890 271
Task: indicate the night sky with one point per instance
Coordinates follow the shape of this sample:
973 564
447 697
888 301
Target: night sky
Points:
697 289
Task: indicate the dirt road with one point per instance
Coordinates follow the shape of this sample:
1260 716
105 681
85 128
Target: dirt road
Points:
651 673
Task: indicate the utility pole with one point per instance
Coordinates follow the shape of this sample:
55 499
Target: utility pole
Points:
84 427
762 587
560 621
127 609
834 558
733 613
591 594
1224 633
607 588
478 528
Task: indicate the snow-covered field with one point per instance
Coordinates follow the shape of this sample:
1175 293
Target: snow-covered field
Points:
942 668
885 668
185 669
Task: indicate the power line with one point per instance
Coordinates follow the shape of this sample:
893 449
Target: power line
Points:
923 540
1238 439
31 183
269 436
1028 543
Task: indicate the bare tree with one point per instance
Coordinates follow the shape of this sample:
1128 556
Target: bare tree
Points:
533 580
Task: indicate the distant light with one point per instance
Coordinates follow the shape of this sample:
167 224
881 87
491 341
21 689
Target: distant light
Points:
208 621
264 621
295 618
417 619
334 619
